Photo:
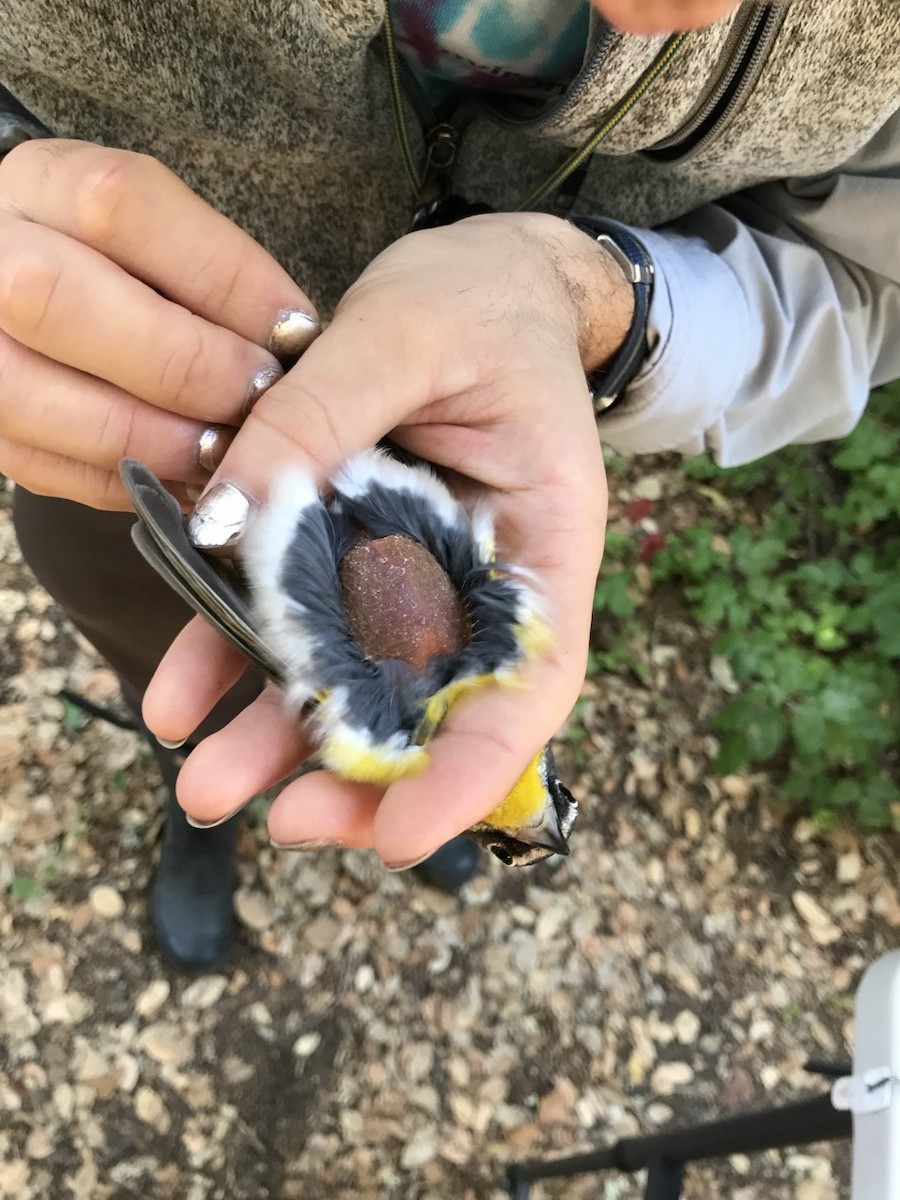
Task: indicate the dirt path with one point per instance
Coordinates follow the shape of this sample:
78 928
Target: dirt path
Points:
371 1039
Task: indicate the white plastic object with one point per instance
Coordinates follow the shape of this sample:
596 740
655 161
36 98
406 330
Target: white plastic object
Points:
872 1093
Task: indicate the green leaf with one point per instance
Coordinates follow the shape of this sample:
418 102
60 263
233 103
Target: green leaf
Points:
24 888
74 718
734 753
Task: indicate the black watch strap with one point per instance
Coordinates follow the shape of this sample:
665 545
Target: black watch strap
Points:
608 384
17 124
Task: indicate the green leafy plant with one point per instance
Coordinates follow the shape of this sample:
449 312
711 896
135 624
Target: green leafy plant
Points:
805 606
24 888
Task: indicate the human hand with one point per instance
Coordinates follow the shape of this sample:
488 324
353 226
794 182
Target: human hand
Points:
134 320
468 345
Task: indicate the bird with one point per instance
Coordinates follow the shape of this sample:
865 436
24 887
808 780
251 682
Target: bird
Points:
377 604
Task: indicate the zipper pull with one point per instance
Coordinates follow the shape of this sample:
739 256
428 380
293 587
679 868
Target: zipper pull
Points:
441 145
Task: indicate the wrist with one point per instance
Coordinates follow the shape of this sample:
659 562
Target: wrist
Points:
601 295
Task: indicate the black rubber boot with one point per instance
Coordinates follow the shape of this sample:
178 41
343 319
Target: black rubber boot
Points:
449 868
192 897
193 891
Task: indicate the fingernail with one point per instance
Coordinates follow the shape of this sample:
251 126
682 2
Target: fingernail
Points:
220 518
407 866
293 332
167 745
195 824
261 382
211 446
313 844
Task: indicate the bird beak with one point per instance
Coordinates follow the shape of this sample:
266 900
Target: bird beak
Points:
548 833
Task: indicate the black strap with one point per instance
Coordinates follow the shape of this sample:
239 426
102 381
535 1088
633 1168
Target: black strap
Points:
17 124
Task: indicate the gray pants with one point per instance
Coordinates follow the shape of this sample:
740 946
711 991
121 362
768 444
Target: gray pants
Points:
86 561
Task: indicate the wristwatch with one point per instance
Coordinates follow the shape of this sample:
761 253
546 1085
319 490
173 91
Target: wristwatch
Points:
607 385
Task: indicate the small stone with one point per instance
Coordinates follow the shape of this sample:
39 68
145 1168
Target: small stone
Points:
822 929
11 751
106 902
687 1027
152 998
166 1044
558 1105
236 1070
419 1151
151 1110
204 992
14 1177
323 933
416 1061
735 786
252 910
307 1044
815 1189
550 922
648 488
849 867
804 831
692 825
669 1076
39 1144
68 1009
364 978
659 1114
722 675
64 1100
129 1072
769 1077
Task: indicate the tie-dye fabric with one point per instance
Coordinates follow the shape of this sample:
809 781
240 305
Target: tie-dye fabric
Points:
516 45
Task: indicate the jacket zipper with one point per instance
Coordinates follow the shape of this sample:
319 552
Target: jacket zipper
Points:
441 146
746 51
505 116
428 119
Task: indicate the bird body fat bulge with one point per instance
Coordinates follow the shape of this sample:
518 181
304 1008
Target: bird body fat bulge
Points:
400 602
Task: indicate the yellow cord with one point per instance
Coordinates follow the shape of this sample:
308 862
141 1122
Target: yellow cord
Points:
658 67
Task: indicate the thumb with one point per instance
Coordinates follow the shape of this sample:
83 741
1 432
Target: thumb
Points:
352 386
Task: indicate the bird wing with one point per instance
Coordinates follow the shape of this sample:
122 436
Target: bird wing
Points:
211 588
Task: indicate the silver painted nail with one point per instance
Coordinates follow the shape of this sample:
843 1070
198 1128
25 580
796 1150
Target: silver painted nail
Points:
195 824
260 383
407 866
220 518
211 446
313 844
166 745
292 333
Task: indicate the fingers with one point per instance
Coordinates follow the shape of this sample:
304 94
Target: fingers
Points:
318 808
72 305
48 474
78 417
259 748
482 749
350 388
195 673
137 213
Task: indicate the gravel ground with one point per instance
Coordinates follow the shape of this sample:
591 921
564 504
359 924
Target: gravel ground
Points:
373 1039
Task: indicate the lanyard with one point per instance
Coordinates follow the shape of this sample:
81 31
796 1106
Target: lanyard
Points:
431 184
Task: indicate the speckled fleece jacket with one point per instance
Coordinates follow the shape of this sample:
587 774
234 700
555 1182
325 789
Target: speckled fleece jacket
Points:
775 234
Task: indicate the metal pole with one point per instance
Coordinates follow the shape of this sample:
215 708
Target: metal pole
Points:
769 1129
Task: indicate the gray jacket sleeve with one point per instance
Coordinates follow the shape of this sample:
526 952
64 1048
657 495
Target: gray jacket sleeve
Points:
774 313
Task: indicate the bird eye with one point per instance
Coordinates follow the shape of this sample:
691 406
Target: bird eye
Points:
502 853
